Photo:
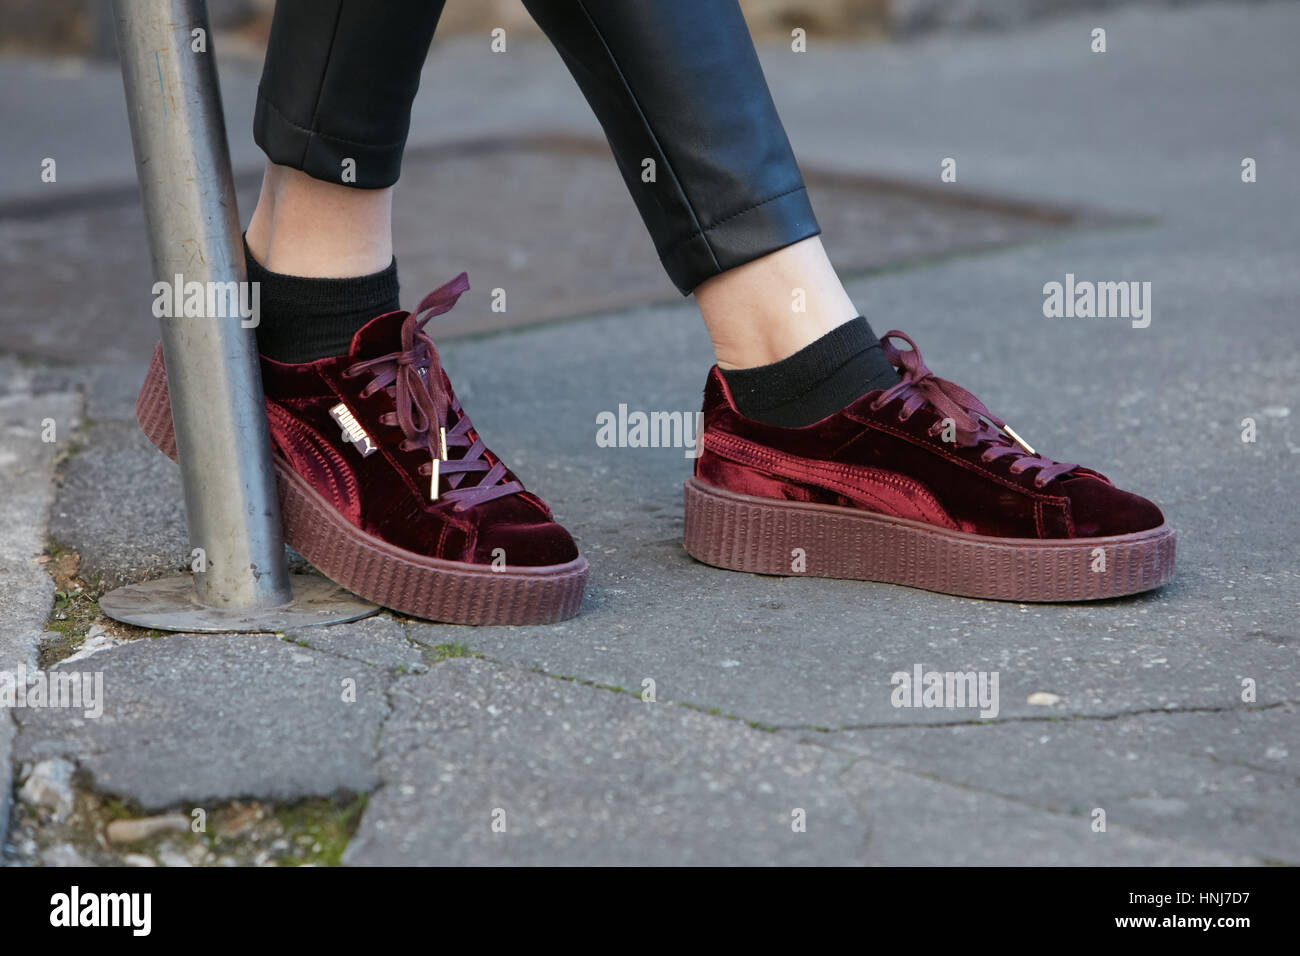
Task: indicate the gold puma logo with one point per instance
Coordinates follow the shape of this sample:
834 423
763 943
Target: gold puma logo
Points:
352 430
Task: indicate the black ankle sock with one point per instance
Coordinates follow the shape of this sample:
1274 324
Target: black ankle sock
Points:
818 380
303 319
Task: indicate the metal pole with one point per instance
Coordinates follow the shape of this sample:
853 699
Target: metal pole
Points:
183 164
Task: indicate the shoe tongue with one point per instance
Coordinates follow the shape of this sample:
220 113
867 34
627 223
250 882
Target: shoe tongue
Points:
379 336
382 335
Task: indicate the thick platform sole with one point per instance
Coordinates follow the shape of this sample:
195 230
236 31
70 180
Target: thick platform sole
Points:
767 536
410 583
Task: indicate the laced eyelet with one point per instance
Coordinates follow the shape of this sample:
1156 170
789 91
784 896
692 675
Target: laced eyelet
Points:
1039 483
904 417
350 372
875 406
1014 470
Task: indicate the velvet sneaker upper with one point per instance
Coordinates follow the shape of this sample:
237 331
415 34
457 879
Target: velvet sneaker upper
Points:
954 500
388 488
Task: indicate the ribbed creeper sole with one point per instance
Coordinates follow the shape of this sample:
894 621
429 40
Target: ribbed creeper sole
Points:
767 536
451 591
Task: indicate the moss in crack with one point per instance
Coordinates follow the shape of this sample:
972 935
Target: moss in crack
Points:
76 608
297 641
328 824
445 652
711 711
718 712
76 605
310 832
72 446
582 681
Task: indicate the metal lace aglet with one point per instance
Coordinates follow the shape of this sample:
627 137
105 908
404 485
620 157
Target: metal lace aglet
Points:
436 472
1017 439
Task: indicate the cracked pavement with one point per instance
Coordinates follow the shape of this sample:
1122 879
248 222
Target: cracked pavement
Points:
533 745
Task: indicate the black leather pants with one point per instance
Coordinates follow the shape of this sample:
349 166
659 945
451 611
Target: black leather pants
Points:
676 81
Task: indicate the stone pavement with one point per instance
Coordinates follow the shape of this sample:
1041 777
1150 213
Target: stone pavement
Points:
772 696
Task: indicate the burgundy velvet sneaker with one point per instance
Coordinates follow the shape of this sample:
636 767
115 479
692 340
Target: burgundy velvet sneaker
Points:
918 484
387 488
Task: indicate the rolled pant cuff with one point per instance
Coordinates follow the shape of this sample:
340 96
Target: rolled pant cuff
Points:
321 156
740 237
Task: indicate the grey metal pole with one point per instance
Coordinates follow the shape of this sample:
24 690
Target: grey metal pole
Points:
183 164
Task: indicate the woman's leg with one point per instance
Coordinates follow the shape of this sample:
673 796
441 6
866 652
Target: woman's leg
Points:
749 310
678 89
333 112
307 227
384 483
337 86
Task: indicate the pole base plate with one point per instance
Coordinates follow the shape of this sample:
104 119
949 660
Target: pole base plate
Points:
169 604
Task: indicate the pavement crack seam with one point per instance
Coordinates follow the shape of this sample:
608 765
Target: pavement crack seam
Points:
1240 765
1046 718
377 761
854 799
1009 798
766 727
307 645
424 746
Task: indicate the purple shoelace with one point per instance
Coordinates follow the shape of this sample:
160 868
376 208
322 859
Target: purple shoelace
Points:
973 423
423 406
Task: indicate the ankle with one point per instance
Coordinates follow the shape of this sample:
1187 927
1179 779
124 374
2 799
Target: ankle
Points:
257 237
313 229
772 338
768 309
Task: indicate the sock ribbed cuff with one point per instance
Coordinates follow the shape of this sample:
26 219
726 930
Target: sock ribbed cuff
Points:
818 380
303 318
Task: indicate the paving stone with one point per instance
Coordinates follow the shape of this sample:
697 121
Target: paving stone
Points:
581 775
1222 782
27 465
918 821
379 641
194 719
120 506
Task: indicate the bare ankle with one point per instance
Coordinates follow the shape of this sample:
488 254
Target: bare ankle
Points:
307 227
258 233
770 308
